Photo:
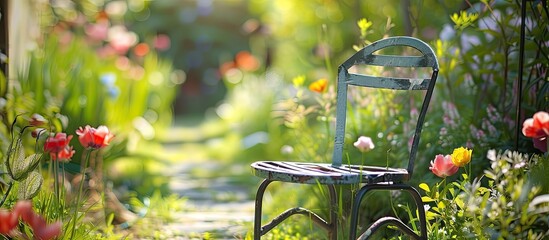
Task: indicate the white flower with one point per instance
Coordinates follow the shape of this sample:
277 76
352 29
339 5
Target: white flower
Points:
491 154
286 150
364 144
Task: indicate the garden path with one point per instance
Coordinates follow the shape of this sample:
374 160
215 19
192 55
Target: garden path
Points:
219 195
216 208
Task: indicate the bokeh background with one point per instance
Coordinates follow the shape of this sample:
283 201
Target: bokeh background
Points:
227 82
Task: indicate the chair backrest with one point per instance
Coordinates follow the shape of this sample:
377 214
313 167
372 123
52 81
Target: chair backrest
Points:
366 56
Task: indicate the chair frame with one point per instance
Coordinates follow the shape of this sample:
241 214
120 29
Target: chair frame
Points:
372 178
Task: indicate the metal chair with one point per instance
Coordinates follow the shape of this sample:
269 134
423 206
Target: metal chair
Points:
371 178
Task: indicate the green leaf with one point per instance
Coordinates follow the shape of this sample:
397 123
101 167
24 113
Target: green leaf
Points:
15 154
30 187
431 215
483 190
21 168
441 205
452 191
459 202
425 187
426 199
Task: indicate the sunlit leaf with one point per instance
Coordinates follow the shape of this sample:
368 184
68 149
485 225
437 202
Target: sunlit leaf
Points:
431 215
441 205
425 187
15 154
452 191
30 187
20 169
426 199
459 202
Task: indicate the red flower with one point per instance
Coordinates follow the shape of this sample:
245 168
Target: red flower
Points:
94 138
23 210
537 128
8 221
65 154
57 143
58 147
443 166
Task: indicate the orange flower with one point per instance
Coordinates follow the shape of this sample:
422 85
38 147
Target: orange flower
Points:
319 85
246 61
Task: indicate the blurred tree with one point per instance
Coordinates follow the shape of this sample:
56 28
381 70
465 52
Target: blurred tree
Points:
203 34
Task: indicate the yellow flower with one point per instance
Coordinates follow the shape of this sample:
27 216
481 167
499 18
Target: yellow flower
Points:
319 85
461 156
298 81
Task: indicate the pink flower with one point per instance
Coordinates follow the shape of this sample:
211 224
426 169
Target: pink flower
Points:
364 144
37 120
94 138
98 32
162 42
443 166
120 39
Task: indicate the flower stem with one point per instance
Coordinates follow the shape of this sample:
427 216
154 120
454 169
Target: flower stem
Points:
56 180
83 170
6 194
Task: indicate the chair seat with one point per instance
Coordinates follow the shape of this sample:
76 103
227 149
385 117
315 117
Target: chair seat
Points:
325 173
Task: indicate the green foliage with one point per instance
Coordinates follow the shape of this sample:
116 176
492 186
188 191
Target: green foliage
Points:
21 169
503 204
86 89
463 19
474 103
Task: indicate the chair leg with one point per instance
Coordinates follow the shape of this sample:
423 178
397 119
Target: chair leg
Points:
258 208
417 199
260 230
